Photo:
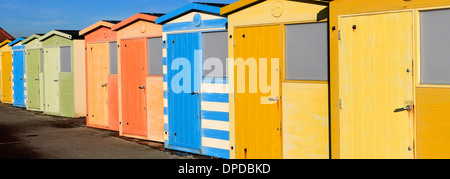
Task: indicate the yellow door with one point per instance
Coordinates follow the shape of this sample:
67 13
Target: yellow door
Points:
376 79
257 120
98 70
7 76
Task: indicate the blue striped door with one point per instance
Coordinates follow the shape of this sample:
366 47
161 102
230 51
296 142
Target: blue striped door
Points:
184 107
18 71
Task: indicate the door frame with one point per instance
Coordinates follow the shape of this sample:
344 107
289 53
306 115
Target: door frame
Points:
120 42
281 71
415 38
197 86
88 67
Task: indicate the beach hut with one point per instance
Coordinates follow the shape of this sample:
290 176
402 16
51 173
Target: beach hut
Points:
390 85
64 73
279 79
101 75
140 77
6 60
196 113
34 73
18 72
5 38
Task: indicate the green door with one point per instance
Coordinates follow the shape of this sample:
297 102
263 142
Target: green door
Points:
33 68
51 80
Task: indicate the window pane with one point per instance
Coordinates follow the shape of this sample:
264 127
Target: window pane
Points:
113 58
434 50
307 52
66 59
155 66
215 45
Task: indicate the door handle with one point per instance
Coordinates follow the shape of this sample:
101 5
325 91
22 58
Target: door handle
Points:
37 79
55 80
195 92
104 85
407 108
274 99
141 87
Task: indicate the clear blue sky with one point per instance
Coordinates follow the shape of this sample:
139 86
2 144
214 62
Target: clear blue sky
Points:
22 18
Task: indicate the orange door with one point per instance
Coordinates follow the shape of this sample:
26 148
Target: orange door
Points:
134 72
98 69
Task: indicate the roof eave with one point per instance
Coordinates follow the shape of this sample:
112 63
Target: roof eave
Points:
96 26
185 9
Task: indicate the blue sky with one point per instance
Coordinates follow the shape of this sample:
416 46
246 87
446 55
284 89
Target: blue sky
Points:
22 18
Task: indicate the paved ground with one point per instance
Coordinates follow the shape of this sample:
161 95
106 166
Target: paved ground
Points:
32 135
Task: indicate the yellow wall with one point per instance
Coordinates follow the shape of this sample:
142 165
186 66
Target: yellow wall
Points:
433 124
80 78
422 118
305 121
262 14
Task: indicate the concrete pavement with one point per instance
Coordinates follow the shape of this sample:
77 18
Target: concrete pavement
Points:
32 135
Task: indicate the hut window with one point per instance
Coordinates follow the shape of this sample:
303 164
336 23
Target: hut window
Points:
434 43
66 59
307 52
155 65
215 53
113 58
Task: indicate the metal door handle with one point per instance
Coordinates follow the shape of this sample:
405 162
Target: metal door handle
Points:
407 108
104 85
274 99
195 92
55 80
37 79
141 87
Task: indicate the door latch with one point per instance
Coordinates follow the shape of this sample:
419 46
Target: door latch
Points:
407 108
104 85
141 87
195 92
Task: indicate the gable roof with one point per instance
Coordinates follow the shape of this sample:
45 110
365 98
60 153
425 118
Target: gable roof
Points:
102 23
151 17
5 35
5 42
31 38
16 41
69 34
242 4
213 8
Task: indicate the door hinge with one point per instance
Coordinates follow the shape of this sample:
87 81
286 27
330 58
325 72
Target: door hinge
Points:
339 34
340 103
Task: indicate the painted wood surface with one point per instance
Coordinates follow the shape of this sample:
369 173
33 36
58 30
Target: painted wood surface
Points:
134 72
33 53
98 70
79 73
19 77
139 27
348 7
257 121
155 107
305 121
264 13
373 86
113 102
96 34
33 80
51 80
214 104
4 47
7 76
433 126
